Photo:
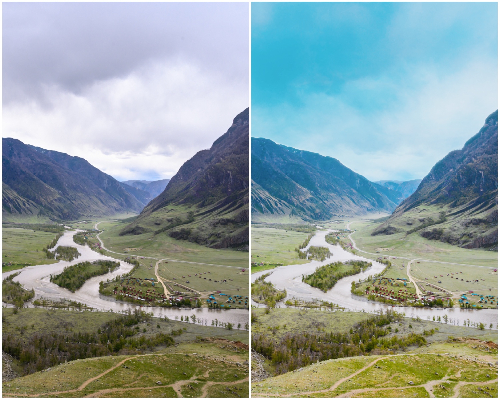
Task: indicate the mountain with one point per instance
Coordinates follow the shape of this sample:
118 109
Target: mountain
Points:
403 188
142 196
457 202
147 190
299 185
207 200
50 185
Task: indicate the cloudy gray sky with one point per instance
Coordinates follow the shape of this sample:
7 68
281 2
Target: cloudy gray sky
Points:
134 88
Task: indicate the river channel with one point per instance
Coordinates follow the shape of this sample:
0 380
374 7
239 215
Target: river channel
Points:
37 277
289 277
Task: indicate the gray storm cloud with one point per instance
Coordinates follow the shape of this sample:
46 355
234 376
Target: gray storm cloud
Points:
136 88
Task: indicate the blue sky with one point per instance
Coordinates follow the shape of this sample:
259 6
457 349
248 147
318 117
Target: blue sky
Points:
386 88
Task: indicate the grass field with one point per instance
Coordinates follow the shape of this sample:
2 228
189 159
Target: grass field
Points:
264 267
211 281
184 259
404 375
87 224
280 321
21 247
276 246
435 263
457 279
214 367
415 246
162 246
32 320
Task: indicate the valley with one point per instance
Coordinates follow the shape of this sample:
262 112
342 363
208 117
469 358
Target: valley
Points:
347 302
194 325
308 311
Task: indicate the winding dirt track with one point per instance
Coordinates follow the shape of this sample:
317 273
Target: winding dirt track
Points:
167 293
410 278
177 386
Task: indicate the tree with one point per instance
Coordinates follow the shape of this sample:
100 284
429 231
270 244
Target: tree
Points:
481 326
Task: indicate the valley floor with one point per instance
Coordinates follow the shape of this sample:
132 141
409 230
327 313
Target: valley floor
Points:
204 361
456 361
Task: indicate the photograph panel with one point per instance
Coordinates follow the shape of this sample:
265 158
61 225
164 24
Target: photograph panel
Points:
374 199
125 200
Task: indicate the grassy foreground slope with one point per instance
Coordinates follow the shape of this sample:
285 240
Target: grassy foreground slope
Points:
444 370
209 368
204 361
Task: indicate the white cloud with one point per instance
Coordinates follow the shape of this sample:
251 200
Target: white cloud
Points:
389 127
145 123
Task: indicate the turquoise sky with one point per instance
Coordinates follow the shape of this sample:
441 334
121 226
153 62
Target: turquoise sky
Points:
387 88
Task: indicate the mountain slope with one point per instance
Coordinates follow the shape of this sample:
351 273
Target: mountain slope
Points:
457 202
299 184
207 200
56 186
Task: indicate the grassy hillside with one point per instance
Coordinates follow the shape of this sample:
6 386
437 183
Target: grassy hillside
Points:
163 246
387 373
204 368
415 246
443 370
208 368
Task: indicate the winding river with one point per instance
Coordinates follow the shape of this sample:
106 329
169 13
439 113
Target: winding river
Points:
37 277
289 277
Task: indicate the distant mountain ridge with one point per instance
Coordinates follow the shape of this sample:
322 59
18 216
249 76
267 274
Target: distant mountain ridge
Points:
151 189
301 185
207 200
457 202
404 188
51 185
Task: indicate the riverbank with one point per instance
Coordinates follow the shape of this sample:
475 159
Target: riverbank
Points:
290 278
38 278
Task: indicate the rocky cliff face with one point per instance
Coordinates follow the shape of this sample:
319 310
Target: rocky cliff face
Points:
207 200
457 202
303 185
56 186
